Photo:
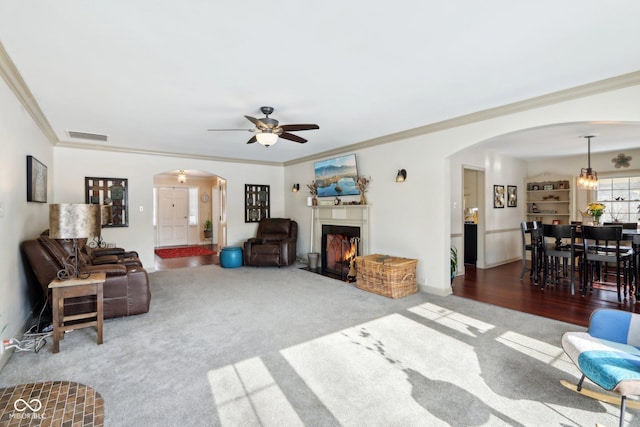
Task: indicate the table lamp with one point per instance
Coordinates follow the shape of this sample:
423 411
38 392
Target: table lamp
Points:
73 222
106 215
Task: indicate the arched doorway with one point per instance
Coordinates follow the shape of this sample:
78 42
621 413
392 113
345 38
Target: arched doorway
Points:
189 208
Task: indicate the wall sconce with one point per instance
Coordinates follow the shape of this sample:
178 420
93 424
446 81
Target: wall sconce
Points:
402 175
295 188
182 177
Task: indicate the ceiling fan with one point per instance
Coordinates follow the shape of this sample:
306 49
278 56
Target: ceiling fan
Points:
268 130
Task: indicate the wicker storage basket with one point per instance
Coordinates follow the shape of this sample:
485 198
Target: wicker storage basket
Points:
385 275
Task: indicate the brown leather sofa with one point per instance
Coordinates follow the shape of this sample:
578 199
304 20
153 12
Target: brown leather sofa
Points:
126 290
274 244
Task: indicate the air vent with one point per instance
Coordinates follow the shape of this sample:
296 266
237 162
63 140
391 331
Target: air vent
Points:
85 135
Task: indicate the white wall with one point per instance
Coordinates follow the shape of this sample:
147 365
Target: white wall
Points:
20 220
72 165
414 219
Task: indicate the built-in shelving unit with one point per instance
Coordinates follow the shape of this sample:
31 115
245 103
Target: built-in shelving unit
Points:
549 199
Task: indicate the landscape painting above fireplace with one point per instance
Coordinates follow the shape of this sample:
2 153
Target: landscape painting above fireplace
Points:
337 177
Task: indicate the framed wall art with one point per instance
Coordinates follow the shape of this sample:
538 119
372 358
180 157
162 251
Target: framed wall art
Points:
110 192
257 205
512 196
36 181
498 196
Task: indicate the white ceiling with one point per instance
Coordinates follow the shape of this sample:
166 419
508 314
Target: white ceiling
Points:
156 75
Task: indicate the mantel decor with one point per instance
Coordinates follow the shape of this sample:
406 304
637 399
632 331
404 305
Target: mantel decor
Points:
36 181
109 192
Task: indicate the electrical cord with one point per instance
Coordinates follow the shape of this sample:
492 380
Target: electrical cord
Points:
34 338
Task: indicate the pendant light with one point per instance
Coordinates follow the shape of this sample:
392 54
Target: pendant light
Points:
588 178
182 177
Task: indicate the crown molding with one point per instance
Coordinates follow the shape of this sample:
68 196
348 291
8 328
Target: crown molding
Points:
14 80
589 89
96 147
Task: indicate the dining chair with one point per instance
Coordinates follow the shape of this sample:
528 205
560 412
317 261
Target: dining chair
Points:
635 263
532 244
598 257
625 225
559 246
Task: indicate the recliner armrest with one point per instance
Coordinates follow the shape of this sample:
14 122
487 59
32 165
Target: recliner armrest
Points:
105 259
97 252
109 269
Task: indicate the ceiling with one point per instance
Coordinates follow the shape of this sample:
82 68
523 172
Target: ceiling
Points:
154 76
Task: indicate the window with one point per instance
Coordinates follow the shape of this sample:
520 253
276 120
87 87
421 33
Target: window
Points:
193 205
621 195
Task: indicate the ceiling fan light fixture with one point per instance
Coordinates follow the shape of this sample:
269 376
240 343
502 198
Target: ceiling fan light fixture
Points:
267 138
588 178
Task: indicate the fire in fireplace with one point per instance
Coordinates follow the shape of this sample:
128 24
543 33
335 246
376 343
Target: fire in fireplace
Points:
340 246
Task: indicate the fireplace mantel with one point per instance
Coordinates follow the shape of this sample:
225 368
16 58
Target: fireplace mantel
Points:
349 215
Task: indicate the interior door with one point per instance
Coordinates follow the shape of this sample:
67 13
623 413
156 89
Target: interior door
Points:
173 216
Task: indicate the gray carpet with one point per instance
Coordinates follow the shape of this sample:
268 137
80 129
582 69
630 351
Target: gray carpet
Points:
285 347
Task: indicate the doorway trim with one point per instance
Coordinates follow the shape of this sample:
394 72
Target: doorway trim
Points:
480 195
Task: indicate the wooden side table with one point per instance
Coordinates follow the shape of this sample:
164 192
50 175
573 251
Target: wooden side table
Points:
76 287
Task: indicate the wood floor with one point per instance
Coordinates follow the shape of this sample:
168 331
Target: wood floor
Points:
499 286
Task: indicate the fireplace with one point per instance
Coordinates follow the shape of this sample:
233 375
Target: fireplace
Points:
351 221
339 247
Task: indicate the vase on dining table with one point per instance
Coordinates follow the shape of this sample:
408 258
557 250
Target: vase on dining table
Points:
596 220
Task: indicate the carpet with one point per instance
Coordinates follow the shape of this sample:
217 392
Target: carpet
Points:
285 347
182 252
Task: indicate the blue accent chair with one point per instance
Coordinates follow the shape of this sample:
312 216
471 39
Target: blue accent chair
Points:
608 353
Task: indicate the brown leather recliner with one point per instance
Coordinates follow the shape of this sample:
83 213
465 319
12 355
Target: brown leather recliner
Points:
126 289
274 244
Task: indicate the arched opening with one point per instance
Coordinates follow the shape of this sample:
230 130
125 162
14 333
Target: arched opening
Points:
518 159
189 209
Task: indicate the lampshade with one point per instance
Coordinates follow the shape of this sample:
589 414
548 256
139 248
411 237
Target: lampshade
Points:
74 221
402 175
295 188
106 214
267 138
182 177
588 178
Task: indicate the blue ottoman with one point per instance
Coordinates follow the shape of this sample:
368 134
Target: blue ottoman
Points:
231 257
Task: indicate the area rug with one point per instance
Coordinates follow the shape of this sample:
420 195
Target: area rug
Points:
51 403
183 251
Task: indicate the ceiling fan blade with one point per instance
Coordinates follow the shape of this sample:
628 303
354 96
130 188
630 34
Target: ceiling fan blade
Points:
292 137
252 140
228 130
259 124
288 128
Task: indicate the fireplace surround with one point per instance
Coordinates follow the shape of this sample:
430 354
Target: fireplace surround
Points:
340 245
351 221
